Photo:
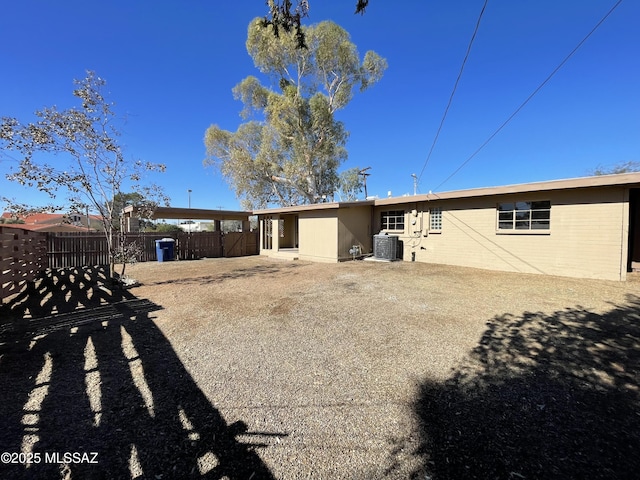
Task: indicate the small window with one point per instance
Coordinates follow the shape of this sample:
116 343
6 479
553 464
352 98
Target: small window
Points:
524 215
435 219
393 220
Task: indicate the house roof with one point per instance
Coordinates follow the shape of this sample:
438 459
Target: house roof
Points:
623 179
46 227
564 184
51 222
313 206
47 218
36 217
193 213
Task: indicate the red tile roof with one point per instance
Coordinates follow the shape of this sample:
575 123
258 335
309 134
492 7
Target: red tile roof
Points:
46 227
50 222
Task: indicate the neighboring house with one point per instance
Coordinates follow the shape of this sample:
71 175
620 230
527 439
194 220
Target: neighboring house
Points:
196 226
55 222
583 227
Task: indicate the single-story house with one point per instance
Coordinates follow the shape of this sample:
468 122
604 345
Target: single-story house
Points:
582 227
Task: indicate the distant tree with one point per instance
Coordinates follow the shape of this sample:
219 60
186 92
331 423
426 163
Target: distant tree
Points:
283 16
290 154
350 184
231 226
146 225
624 167
253 223
165 228
96 170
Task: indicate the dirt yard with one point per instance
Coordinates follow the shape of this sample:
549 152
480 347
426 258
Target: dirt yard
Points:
256 368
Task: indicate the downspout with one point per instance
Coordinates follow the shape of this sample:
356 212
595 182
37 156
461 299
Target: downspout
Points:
624 234
373 211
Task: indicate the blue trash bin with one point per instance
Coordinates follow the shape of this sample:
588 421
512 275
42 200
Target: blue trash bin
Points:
165 249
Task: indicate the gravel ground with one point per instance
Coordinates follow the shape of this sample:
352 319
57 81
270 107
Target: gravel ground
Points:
259 368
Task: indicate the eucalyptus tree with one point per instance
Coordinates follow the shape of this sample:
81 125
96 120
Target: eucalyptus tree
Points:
282 15
74 157
623 167
290 147
350 184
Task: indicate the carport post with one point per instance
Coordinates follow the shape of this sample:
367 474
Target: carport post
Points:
275 232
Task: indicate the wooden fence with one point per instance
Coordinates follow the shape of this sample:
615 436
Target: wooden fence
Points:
82 249
200 244
79 249
240 244
76 250
23 255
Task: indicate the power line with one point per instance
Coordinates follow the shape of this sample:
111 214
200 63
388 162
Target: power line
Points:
532 95
455 86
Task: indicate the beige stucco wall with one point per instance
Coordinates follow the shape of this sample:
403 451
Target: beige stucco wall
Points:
324 235
318 234
588 235
354 228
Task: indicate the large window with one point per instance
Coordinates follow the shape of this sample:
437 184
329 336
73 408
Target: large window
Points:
524 215
393 220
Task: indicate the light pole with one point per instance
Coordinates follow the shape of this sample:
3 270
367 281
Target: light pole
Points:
364 174
415 183
190 220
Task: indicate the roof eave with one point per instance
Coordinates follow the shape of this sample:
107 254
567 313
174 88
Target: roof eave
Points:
565 184
312 207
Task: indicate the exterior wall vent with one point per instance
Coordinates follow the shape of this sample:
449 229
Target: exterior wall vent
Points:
385 247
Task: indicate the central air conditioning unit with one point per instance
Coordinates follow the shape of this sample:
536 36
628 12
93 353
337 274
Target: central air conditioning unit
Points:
385 247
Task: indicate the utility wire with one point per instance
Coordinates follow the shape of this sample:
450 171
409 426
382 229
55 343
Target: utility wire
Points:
455 86
531 96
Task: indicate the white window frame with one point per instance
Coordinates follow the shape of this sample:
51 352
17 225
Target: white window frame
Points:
523 217
392 218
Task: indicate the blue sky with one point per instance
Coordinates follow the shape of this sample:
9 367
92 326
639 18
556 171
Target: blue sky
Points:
171 65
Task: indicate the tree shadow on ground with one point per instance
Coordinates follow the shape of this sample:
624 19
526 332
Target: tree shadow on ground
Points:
93 373
59 291
258 270
541 396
